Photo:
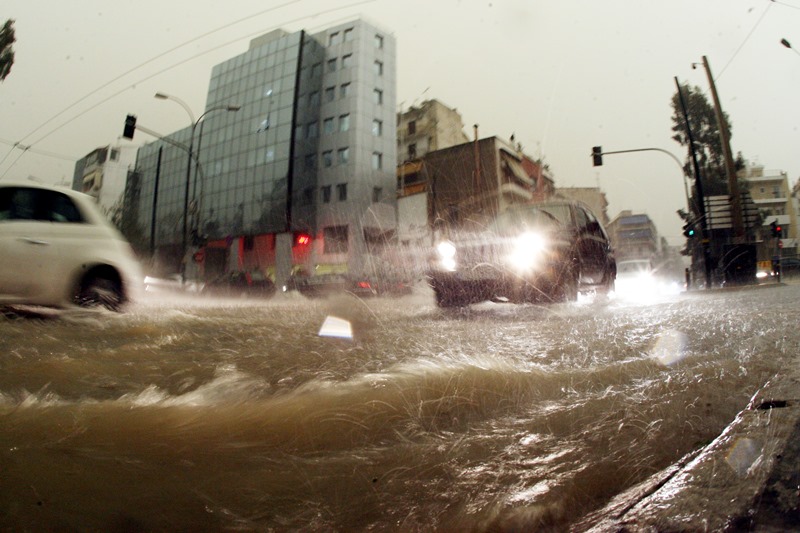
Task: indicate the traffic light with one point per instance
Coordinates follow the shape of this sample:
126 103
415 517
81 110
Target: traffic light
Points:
597 156
301 239
775 229
688 231
130 126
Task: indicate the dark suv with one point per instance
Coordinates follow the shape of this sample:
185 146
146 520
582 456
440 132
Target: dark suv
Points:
529 253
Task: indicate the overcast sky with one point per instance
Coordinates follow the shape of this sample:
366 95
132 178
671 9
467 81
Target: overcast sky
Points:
562 76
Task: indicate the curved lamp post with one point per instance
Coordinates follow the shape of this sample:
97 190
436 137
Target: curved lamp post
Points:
192 155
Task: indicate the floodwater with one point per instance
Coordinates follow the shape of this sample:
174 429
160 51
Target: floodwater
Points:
185 415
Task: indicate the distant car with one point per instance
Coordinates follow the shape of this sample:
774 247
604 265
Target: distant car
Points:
636 277
240 284
57 249
529 253
790 267
322 285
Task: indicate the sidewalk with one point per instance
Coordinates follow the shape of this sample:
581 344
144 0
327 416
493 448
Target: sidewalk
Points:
747 479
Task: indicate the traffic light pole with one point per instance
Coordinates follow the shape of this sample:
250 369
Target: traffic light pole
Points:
705 235
598 152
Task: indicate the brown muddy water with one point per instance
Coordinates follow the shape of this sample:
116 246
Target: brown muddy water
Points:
209 415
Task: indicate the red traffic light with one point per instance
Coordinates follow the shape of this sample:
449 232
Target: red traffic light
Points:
301 239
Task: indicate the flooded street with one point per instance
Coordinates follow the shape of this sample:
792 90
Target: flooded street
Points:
204 415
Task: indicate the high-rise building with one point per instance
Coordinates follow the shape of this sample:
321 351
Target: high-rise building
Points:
310 151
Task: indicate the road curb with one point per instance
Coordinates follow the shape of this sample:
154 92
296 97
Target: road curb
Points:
746 479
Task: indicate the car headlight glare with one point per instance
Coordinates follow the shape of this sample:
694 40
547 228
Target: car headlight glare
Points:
446 249
447 255
528 247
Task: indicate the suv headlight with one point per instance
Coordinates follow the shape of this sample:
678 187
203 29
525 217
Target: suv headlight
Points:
446 253
527 250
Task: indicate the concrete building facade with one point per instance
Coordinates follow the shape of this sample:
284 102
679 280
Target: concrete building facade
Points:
103 174
428 127
311 150
634 236
773 198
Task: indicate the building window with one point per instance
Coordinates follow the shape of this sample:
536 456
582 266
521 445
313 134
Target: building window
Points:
377 192
313 98
327 158
316 69
332 65
335 238
334 39
269 154
377 128
412 151
348 34
308 195
313 130
344 122
330 94
327 126
377 160
344 155
347 60
114 154
377 96
412 127
344 90
378 68
341 191
310 161
378 41
326 194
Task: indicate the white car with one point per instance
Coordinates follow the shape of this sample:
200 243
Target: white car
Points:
57 249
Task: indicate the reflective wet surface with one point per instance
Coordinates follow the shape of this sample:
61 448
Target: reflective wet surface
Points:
238 415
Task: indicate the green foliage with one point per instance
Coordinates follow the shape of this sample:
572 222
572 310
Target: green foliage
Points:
706 134
7 39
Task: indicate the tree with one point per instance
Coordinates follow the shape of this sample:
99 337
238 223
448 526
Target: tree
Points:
711 162
7 39
707 140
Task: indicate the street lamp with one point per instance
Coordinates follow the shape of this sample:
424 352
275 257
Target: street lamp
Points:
192 155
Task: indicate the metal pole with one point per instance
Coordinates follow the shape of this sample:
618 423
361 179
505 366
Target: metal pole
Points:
155 203
184 244
705 236
683 172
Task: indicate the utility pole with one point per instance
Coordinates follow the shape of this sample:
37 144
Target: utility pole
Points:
730 170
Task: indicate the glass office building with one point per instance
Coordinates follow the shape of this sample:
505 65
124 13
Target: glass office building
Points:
309 152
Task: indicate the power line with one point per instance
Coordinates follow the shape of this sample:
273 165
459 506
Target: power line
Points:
233 41
33 150
747 38
95 91
145 63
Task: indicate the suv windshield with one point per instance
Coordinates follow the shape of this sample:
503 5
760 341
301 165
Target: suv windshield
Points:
514 220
